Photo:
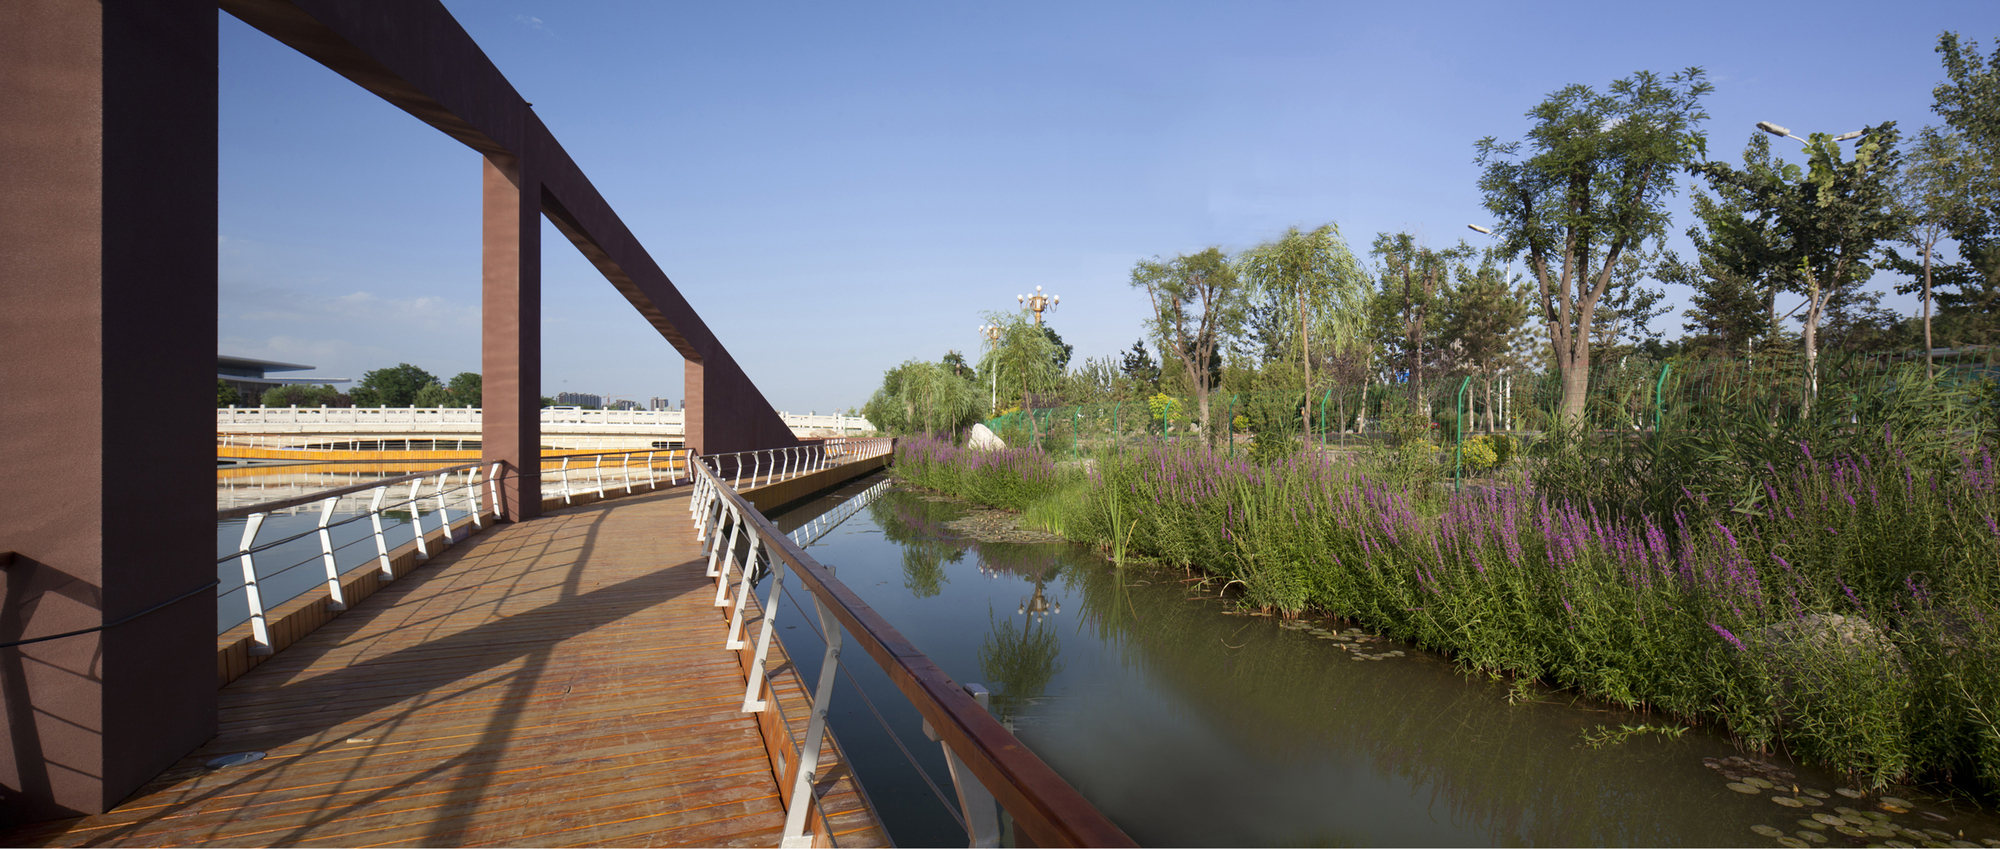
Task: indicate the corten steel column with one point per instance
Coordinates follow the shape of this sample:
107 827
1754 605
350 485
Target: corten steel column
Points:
107 343
511 334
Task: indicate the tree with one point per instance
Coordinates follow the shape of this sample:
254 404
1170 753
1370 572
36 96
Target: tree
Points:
1139 367
391 387
1062 349
1197 302
467 390
923 397
225 395
432 395
302 395
1413 276
1023 360
1736 274
1968 289
1588 191
1486 318
955 361
1829 216
1933 191
1315 278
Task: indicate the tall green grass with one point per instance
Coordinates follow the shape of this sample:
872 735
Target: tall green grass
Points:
1848 614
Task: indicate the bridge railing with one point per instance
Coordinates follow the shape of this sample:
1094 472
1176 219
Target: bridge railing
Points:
988 763
765 466
445 490
469 418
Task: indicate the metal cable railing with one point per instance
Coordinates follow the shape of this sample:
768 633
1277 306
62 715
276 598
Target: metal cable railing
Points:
769 465
988 764
451 488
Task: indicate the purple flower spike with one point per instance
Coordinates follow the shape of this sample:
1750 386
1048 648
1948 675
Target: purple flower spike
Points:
1727 636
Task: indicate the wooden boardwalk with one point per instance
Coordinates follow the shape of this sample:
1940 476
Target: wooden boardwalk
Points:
556 682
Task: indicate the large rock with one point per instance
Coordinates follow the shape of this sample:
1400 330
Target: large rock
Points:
1826 658
982 438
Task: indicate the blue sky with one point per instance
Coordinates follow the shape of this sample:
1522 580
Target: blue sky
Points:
841 187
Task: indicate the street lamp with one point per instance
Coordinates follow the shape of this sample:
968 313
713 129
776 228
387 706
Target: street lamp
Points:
1776 130
1478 229
1038 302
992 334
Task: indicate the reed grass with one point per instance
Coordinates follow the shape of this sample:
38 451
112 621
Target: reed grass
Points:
1847 613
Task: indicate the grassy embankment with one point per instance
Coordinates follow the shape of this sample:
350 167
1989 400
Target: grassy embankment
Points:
1843 609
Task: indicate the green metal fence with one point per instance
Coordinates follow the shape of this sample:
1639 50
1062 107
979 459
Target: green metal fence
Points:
1452 415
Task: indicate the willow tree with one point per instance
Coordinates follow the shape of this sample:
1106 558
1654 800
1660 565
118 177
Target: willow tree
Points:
923 397
1024 361
1316 278
1198 302
1584 188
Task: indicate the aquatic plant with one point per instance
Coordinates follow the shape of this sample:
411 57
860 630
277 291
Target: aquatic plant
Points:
1848 612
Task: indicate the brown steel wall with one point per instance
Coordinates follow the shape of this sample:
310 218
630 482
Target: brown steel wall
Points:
107 302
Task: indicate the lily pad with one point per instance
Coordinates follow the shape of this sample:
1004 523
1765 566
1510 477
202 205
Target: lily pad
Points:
1758 783
1898 844
1849 792
1767 831
1850 831
1933 817
1844 811
1940 835
1815 792
1788 801
1827 819
1792 842
1855 818
1900 803
1742 788
1965 843
1877 816
1879 831
1812 837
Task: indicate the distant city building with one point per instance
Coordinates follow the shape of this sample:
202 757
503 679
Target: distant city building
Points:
578 399
247 377
658 404
625 405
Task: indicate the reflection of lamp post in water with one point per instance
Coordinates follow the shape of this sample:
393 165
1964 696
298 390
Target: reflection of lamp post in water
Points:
1039 603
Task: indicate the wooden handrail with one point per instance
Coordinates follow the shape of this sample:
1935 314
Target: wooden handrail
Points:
1043 805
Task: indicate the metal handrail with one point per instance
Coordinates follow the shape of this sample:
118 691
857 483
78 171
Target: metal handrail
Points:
1046 807
300 501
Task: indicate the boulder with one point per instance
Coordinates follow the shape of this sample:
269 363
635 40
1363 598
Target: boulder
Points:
982 438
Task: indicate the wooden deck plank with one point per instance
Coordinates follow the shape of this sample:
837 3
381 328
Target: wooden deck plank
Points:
554 682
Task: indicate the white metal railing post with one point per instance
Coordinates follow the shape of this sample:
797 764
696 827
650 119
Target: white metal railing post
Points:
724 553
444 509
982 813
417 518
597 470
738 457
749 565
565 479
652 480
471 488
335 600
795 834
752 704
260 637
381 542
625 468
493 488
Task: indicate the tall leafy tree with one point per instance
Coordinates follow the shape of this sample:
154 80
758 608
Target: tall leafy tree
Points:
225 395
1413 278
1313 276
1024 360
1584 188
1485 319
391 387
1140 368
1969 102
1735 272
923 397
1198 302
1830 217
466 389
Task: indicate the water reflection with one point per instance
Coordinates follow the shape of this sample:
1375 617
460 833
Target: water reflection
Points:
1191 726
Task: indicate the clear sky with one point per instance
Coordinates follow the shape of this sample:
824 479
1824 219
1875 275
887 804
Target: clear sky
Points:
837 188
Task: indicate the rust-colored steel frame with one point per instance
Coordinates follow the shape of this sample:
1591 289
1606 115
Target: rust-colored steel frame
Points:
108 151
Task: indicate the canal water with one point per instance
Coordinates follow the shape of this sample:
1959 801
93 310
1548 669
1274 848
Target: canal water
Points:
1190 723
